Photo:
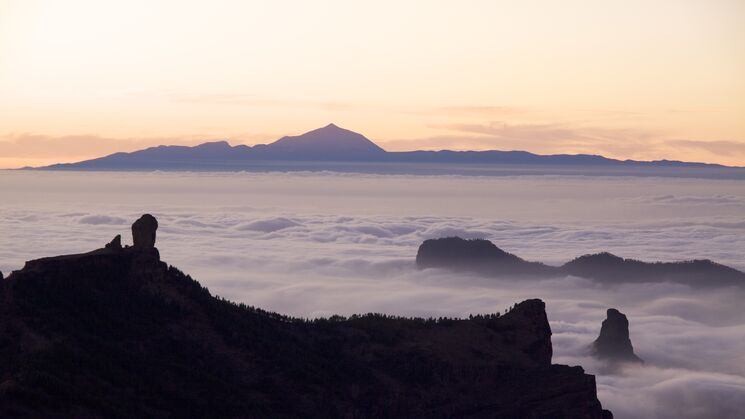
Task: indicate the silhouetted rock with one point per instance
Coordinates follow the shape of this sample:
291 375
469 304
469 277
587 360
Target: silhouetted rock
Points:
534 332
484 257
143 232
115 243
613 343
475 255
607 267
119 334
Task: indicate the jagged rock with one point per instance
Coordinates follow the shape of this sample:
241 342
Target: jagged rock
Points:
613 343
143 232
115 243
1 275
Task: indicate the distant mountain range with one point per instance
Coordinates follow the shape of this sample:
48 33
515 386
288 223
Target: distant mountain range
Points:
337 149
483 257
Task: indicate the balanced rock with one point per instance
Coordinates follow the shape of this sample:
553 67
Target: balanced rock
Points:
143 232
614 343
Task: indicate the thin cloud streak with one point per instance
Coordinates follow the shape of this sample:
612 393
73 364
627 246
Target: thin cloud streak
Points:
242 99
568 138
720 148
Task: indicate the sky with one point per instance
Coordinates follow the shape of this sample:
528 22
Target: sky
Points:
315 244
625 79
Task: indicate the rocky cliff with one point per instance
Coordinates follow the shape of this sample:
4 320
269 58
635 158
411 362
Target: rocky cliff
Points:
117 333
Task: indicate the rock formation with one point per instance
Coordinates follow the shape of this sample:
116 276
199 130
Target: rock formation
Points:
613 343
475 255
483 257
143 232
115 243
118 333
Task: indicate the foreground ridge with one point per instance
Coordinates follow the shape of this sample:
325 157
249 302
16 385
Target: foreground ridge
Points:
117 333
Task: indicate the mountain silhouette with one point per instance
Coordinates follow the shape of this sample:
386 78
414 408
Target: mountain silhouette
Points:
329 143
339 149
117 333
476 255
483 257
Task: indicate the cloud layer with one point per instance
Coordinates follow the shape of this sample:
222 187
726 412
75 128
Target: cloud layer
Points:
317 244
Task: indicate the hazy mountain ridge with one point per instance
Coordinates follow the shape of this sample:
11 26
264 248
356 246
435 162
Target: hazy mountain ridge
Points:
483 257
117 333
328 148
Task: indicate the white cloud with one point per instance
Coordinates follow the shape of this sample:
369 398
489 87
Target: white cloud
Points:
269 225
101 219
316 244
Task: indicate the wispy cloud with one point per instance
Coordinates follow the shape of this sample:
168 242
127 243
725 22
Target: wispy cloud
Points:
37 145
540 137
267 240
243 99
17 149
720 148
573 138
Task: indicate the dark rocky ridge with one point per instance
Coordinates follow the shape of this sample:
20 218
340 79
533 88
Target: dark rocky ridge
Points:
117 333
483 257
613 344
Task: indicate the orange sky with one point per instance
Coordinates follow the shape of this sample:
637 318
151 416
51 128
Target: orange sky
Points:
632 79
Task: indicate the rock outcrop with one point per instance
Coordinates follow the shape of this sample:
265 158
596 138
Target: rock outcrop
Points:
117 333
483 257
613 344
115 243
143 232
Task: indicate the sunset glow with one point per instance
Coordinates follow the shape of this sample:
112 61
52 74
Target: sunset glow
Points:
633 79
393 208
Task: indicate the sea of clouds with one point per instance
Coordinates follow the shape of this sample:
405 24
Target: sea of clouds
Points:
315 244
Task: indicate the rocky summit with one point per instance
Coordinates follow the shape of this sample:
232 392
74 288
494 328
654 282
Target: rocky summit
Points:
614 343
118 333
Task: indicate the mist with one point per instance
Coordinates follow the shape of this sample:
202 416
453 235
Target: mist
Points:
316 244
